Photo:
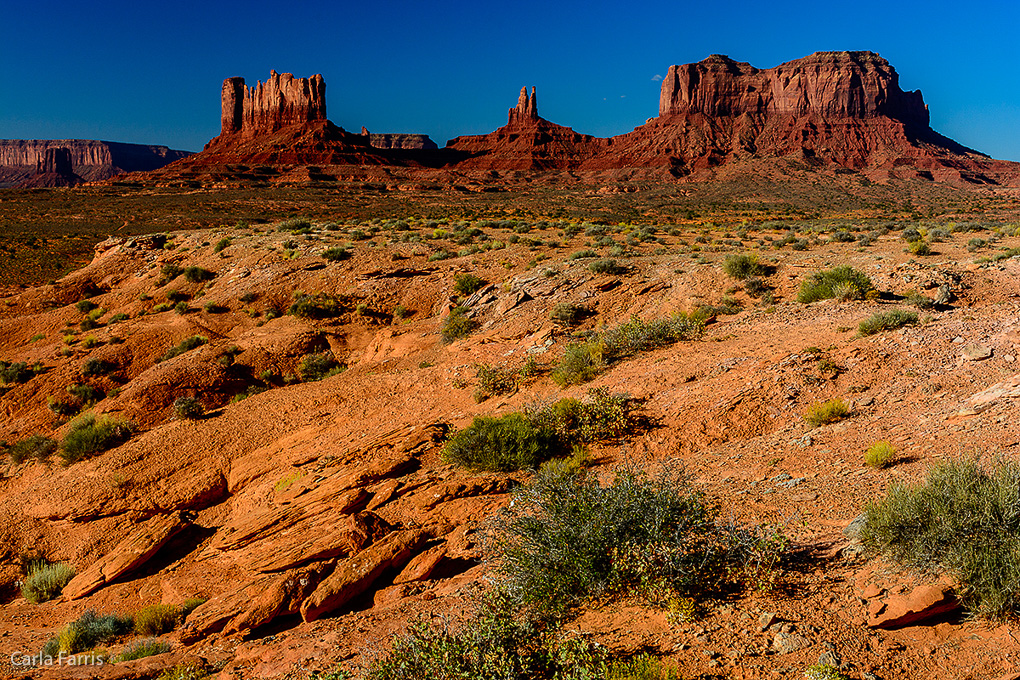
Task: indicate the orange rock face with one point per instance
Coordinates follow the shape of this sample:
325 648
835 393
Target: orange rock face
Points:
267 107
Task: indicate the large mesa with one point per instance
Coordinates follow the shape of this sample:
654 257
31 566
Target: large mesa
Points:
267 107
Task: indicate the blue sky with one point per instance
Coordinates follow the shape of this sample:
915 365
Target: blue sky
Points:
151 72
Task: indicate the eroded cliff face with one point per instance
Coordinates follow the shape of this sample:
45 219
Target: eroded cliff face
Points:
827 84
90 159
267 107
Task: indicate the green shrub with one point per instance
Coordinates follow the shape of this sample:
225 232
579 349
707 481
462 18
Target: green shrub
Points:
186 670
156 619
441 255
568 314
90 435
317 306
85 306
168 273
118 317
494 644
742 266
827 412
606 267
641 667
582 254
294 224
85 394
824 671
507 443
466 284
198 274
319 366
566 539
887 321
221 245
843 283
915 299
457 325
182 308
15 373
163 307
143 648
402 312
86 632
600 417
45 581
879 455
188 408
190 605
920 248
584 360
185 345
962 519
336 254
37 446
178 296
89 323
94 366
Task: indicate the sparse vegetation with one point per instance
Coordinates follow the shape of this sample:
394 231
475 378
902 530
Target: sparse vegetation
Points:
457 325
156 619
36 446
94 366
16 372
466 284
183 346
879 455
198 274
568 314
89 630
961 520
317 306
319 367
742 266
90 435
143 648
827 412
221 245
642 667
506 443
188 408
582 361
843 283
336 254
607 266
887 321
44 581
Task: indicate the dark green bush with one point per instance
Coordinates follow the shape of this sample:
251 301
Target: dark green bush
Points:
44 581
568 314
742 266
317 306
86 632
85 306
295 224
606 267
319 366
178 296
466 284
182 308
582 254
600 417
89 323
14 373
566 539
188 408
221 245
94 366
441 255
90 435
843 283
185 345
963 520
119 316
37 446
457 325
507 443
336 254
887 321
168 273
198 274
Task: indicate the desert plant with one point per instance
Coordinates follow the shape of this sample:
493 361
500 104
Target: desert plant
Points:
567 313
317 306
319 366
824 671
90 435
221 245
94 366
457 325
186 670
606 266
920 248
198 274
742 266
185 345
826 412
402 312
879 455
156 619
85 306
510 442
214 308
466 284
887 321
12 373
87 631
36 446
336 254
168 273
188 408
182 308
601 416
641 667
843 282
119 316
962 519
44 581
143 648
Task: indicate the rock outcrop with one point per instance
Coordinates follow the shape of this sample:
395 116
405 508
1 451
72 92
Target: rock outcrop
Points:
526 111
400 140
267 107
90 160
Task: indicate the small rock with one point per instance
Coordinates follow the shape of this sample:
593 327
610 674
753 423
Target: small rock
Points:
922 603
866 401
853 530
976 352
786 643
957 340
872 591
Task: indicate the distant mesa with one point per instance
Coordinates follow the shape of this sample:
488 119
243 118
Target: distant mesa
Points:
65 162
830 111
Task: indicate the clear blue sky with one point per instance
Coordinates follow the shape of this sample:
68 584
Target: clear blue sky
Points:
151 72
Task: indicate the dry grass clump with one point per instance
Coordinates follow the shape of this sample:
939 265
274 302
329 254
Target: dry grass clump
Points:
44 581
824 413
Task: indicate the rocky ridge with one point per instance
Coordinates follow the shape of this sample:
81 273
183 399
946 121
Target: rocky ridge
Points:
91 160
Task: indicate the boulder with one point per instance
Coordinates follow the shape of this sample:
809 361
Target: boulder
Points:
920 604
